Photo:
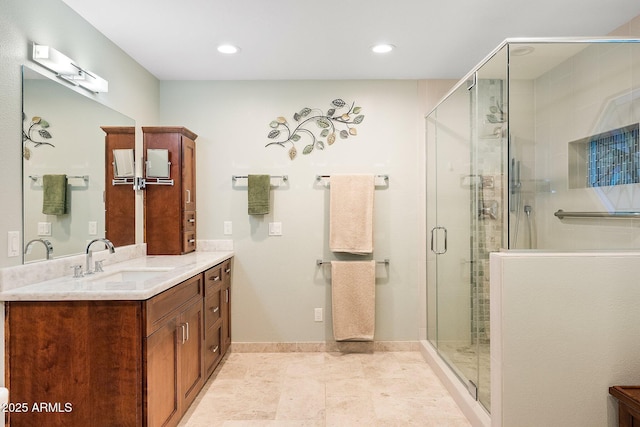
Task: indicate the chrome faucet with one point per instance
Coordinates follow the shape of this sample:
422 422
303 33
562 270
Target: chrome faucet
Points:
47 244
107 245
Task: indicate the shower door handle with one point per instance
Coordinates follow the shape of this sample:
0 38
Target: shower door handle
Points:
432 239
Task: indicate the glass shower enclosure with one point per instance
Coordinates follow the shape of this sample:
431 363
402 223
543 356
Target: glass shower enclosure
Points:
537 148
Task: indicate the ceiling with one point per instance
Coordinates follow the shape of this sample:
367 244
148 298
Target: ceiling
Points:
331 39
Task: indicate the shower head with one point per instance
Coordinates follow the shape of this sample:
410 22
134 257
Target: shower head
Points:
527 209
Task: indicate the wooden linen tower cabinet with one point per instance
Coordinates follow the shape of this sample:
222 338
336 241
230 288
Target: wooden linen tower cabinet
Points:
170 201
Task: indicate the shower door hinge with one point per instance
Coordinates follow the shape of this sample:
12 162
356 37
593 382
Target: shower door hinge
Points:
473 389
472 82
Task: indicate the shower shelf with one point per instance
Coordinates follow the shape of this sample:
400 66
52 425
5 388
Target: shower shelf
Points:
562 214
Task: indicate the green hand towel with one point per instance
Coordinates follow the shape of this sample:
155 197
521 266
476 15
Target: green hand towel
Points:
258 194
54 194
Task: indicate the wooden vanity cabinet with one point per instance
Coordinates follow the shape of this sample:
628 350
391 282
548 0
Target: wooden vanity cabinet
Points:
117 363
106 363
173 352
217 308
78 362
170 210
213 318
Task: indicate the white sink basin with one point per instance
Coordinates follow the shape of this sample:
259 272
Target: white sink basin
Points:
130 274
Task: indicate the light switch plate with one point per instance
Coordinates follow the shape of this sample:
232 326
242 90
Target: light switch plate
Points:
44 229
93 228
275 229
317 314
228 228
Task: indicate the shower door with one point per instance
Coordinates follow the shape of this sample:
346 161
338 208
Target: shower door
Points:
465 211
452 209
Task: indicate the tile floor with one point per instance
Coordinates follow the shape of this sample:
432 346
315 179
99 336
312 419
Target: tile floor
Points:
324 389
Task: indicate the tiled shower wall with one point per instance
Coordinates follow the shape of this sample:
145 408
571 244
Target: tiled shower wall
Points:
595 91
489 239
488 229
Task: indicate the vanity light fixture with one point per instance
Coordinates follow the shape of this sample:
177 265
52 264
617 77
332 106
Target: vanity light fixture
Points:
66 69
382 48
228 49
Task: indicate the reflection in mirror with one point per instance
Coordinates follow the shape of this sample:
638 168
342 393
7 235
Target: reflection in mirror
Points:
123 166
157 163
63 137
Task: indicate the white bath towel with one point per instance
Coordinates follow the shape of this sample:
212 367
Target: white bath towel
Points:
351 213
353 300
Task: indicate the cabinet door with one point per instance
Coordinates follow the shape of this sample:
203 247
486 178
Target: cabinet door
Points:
119 200
191 363
188 174
162 402
82 359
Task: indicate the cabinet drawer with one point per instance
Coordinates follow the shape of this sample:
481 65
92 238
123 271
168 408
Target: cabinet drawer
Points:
226 272
189 241
212 348
163 305
212 308
212 278
189 218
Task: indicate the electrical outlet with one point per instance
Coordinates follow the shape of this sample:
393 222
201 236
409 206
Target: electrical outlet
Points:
93 228
275 229
317 314
228 228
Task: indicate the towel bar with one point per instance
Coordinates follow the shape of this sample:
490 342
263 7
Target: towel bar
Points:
320 262
562 214
84 177
321 177
236 177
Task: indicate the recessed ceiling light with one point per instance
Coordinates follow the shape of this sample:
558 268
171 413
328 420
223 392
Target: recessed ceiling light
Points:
383 48
228 49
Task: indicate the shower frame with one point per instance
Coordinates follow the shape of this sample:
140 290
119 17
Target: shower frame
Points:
504 189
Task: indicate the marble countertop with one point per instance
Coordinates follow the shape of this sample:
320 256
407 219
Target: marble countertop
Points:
170 270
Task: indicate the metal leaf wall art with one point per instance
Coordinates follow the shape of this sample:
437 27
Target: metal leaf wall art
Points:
38 126
315 127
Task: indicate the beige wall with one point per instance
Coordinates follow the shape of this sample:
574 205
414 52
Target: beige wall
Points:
277 284
630 29
132 90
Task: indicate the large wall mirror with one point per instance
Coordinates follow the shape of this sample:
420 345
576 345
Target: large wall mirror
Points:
63 166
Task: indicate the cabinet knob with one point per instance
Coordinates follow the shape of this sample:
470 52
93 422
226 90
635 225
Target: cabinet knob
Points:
228 270
215 310
214 278
192 240
214 349
192 220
